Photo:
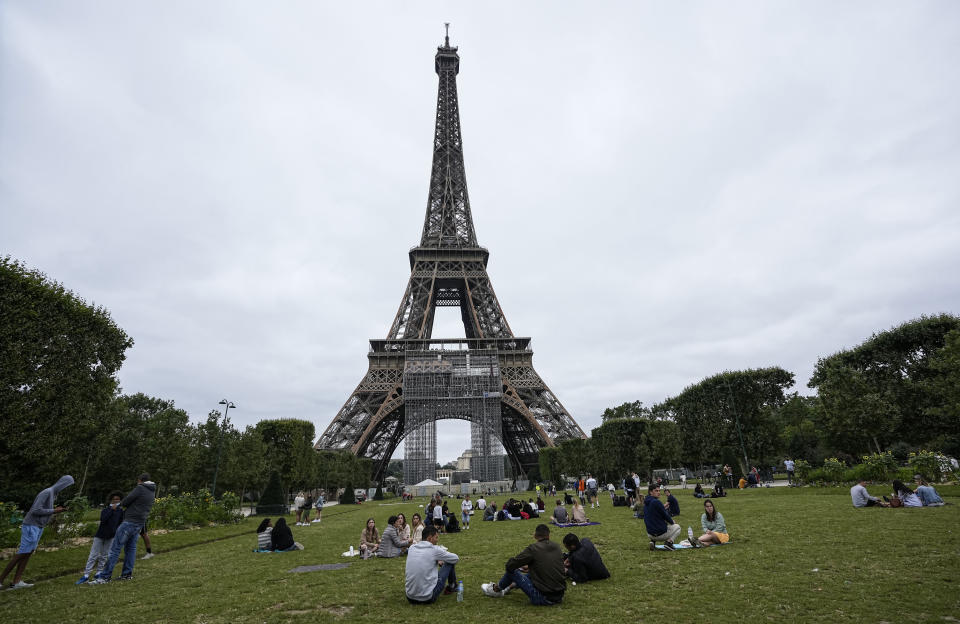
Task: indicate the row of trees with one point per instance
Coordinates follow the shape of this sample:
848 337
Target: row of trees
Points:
61 413
898 391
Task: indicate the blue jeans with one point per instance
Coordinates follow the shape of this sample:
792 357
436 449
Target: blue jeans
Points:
446 575
523 581
126 538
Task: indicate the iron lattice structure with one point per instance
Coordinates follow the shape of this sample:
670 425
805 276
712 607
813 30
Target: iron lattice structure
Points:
448 268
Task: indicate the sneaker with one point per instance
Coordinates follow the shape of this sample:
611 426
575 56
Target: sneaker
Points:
98 581
149 555
449 590
690 534
21 585
653 545
669 545
126 577
488 589
83 579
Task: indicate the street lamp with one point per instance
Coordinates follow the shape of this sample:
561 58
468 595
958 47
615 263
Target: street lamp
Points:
228 405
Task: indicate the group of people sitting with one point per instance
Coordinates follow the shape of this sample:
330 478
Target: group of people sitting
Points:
717 492
902 496
540 571
396 539
276 537
575 515
662 528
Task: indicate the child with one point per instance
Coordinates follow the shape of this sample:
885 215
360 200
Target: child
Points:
110 519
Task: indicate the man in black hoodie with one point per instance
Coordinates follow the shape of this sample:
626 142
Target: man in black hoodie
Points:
136 506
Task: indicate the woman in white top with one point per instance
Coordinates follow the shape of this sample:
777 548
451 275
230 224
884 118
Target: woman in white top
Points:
403 530
298 504
416 523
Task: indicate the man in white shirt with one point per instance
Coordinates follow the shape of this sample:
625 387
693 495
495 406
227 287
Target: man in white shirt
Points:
481 503
424 581
466 508
789 465
592 491
862 499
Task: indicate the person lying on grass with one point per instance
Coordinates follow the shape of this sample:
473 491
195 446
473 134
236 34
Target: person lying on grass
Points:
905 494
545 582
583 562
713 525
660 526
928 495
423 580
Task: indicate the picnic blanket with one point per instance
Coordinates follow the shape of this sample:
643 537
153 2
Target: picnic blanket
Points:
682 546
573 524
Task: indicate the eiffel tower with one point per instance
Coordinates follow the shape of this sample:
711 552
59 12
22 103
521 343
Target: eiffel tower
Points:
414 379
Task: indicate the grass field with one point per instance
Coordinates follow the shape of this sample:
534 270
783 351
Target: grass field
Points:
799 554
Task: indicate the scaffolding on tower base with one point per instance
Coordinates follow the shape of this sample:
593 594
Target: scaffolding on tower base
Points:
452 384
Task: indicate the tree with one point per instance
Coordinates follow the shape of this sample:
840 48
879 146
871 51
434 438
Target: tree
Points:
617 446
885 389
290 450
943 388
733 408
549 460
626 410
59 360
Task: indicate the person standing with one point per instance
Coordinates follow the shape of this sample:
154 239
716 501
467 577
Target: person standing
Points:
592 491
466 508
789 465
43 509
423 580
137 505
110 519
545 582
660 526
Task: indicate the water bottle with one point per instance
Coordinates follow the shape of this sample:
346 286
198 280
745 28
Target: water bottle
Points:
459 591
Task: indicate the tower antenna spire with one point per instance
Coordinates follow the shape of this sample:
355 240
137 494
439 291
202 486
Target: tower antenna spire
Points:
446 39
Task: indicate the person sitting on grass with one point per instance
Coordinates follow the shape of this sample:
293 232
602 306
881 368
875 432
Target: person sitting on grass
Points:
660 526
698 492
490 513
541 506
673 505
579 515
713 525
281 537
560 514
403 530
928 496
263 534
905 494
583 562
391 545
545 582
369 539
862 499
416 524
423 580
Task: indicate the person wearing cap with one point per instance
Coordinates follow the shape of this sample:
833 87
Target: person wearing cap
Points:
137 505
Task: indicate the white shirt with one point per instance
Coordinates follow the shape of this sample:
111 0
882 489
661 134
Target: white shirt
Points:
591 483
466 506
438 513
481 503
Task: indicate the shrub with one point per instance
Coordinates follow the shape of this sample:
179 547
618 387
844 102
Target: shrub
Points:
348 497
70 522
926 464
833 470
802 469
10 519
194 509
878 466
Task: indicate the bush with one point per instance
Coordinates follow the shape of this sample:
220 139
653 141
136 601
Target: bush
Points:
69 523
194 509
10 519
833 470
348 497
802 469
926 464
273 502
878 466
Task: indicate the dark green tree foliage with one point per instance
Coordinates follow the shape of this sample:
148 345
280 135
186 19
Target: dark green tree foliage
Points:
549 460
886 389
707 413
943 390
626 410
274 498
617 446
576 457
59 360
290 450
799 434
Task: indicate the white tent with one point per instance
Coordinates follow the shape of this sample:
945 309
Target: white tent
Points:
427 483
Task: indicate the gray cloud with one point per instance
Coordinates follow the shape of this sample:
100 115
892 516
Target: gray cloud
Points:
666 192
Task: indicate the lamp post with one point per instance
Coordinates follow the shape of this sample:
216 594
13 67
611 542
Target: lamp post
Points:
228 405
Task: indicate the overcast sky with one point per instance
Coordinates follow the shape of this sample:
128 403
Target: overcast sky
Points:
667 190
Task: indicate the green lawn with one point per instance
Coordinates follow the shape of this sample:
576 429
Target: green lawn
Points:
800 553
